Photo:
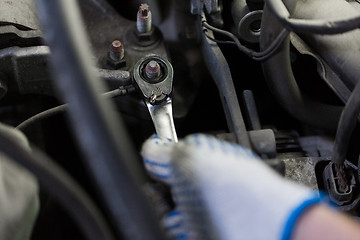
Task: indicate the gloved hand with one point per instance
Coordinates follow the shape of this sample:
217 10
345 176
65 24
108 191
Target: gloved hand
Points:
223 191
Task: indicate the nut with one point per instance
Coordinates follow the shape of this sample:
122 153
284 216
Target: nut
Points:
117 50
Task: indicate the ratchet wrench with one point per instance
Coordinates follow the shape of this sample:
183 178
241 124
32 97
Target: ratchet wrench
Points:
154 77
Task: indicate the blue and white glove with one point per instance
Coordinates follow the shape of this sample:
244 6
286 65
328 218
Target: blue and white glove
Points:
223 191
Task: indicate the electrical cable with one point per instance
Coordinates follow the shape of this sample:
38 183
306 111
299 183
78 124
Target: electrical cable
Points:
258 56
60 185
100 132
347 124
41 116
218 41
319 26
62 108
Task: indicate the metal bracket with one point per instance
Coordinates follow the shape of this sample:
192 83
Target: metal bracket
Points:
211 6
220 71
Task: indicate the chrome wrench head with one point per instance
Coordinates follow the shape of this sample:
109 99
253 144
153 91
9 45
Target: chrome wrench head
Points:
157 93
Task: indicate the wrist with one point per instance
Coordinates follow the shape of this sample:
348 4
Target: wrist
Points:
298 213
322 222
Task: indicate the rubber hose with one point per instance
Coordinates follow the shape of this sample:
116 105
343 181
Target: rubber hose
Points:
60 185
100 132
347 124
282 83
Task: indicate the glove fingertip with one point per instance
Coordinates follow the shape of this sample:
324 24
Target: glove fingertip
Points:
156 155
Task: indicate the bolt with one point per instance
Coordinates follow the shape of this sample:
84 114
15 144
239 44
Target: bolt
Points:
143 22
116 50
152 70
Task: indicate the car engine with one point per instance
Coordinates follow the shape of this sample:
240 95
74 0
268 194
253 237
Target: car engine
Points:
89 81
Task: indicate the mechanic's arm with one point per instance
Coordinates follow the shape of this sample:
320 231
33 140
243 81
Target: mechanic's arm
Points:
320 222
224 192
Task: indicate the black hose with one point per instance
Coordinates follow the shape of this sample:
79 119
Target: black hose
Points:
41 116
100 132
282 84
62 108
319 26
347 124
60 185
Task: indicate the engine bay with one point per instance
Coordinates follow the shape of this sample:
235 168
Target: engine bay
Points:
89 81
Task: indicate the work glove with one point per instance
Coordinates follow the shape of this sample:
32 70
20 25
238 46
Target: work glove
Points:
19 201
223 191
